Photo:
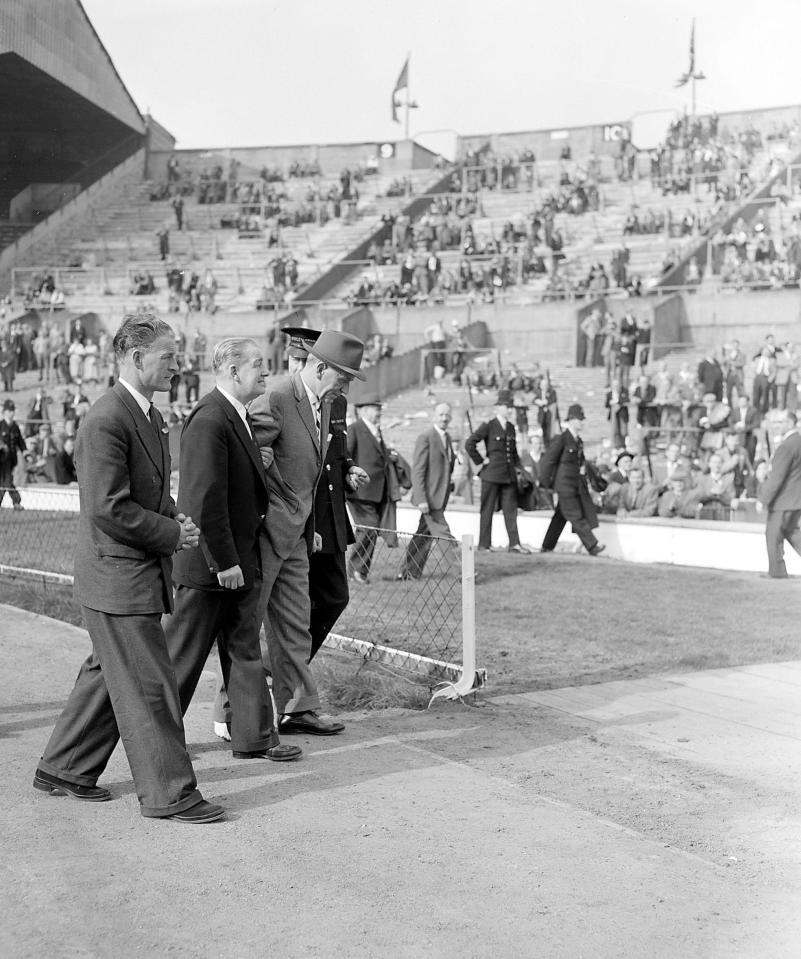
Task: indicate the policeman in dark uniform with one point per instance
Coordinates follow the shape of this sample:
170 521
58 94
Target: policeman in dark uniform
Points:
498 476
563 469
11 445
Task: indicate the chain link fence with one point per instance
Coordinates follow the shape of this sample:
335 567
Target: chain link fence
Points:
412 606
412 597
38 529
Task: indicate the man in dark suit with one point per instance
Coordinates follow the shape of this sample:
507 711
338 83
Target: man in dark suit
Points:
746 420
564 469
218 588
369 503
432 467
128 531
781 494
498 476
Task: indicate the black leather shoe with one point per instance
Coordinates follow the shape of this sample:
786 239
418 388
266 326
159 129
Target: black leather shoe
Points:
199 813
597 550
310 723
279 754
60 787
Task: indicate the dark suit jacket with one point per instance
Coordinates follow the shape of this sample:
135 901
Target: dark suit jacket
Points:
560 467
365 450
501 450
283 421
431 470
782 489
126 530
223 488
330 516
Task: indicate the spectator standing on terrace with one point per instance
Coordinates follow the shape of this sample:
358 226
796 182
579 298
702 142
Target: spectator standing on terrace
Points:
710 375
178 209
564 469
764 378
432 469
610 347
11 445
498 472
8 366
129 530
781 495
746 420
590 327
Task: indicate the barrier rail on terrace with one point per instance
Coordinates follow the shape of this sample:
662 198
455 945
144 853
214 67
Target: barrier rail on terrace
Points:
423 625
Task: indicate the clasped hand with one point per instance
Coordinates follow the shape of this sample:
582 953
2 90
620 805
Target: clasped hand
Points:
231 578
189 536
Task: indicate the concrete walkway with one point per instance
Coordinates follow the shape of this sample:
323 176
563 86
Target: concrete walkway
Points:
655 818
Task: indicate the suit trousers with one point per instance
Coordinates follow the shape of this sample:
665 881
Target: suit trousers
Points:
761 393
360 557
781 525
126 689
569 508
230 617
491 495
432 523
7 483
329 594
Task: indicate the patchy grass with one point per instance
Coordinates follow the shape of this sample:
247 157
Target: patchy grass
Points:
546 621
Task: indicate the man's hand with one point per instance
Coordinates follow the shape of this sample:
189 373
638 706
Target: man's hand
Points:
424 509
357 477
267 456
317 543
393 454
189 536
231 578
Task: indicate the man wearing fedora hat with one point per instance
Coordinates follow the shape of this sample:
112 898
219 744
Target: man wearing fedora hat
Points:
373 505
564 470
498 476
291 424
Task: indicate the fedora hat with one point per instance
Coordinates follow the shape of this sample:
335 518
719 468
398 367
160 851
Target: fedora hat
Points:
340 350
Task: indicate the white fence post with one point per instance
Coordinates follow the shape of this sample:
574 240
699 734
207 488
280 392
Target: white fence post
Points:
472 678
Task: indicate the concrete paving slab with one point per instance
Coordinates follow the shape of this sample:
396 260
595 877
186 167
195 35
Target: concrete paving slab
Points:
618 820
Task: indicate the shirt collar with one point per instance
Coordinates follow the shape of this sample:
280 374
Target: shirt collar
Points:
142 402
239 407
313 399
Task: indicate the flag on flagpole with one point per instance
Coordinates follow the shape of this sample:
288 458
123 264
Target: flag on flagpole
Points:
685 77
400 84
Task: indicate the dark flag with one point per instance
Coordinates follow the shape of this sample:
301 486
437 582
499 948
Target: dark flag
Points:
690 74
401 84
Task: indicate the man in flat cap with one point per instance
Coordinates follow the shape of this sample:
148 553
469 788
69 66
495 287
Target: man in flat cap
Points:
564 469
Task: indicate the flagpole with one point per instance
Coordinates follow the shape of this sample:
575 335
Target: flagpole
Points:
408 101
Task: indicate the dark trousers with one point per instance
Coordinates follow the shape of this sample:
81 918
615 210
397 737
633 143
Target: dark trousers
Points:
329 594
7 484
230 617
360 557
126 689
491 495
432 523
781 525
569 509
761 393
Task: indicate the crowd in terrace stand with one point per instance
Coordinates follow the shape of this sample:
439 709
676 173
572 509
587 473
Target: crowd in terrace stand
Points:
753 255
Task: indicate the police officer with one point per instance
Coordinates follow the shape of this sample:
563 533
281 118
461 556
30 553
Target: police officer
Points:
564 469
498 472
11 444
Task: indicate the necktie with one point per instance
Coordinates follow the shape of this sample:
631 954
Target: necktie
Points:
153 416
317 418
448 446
